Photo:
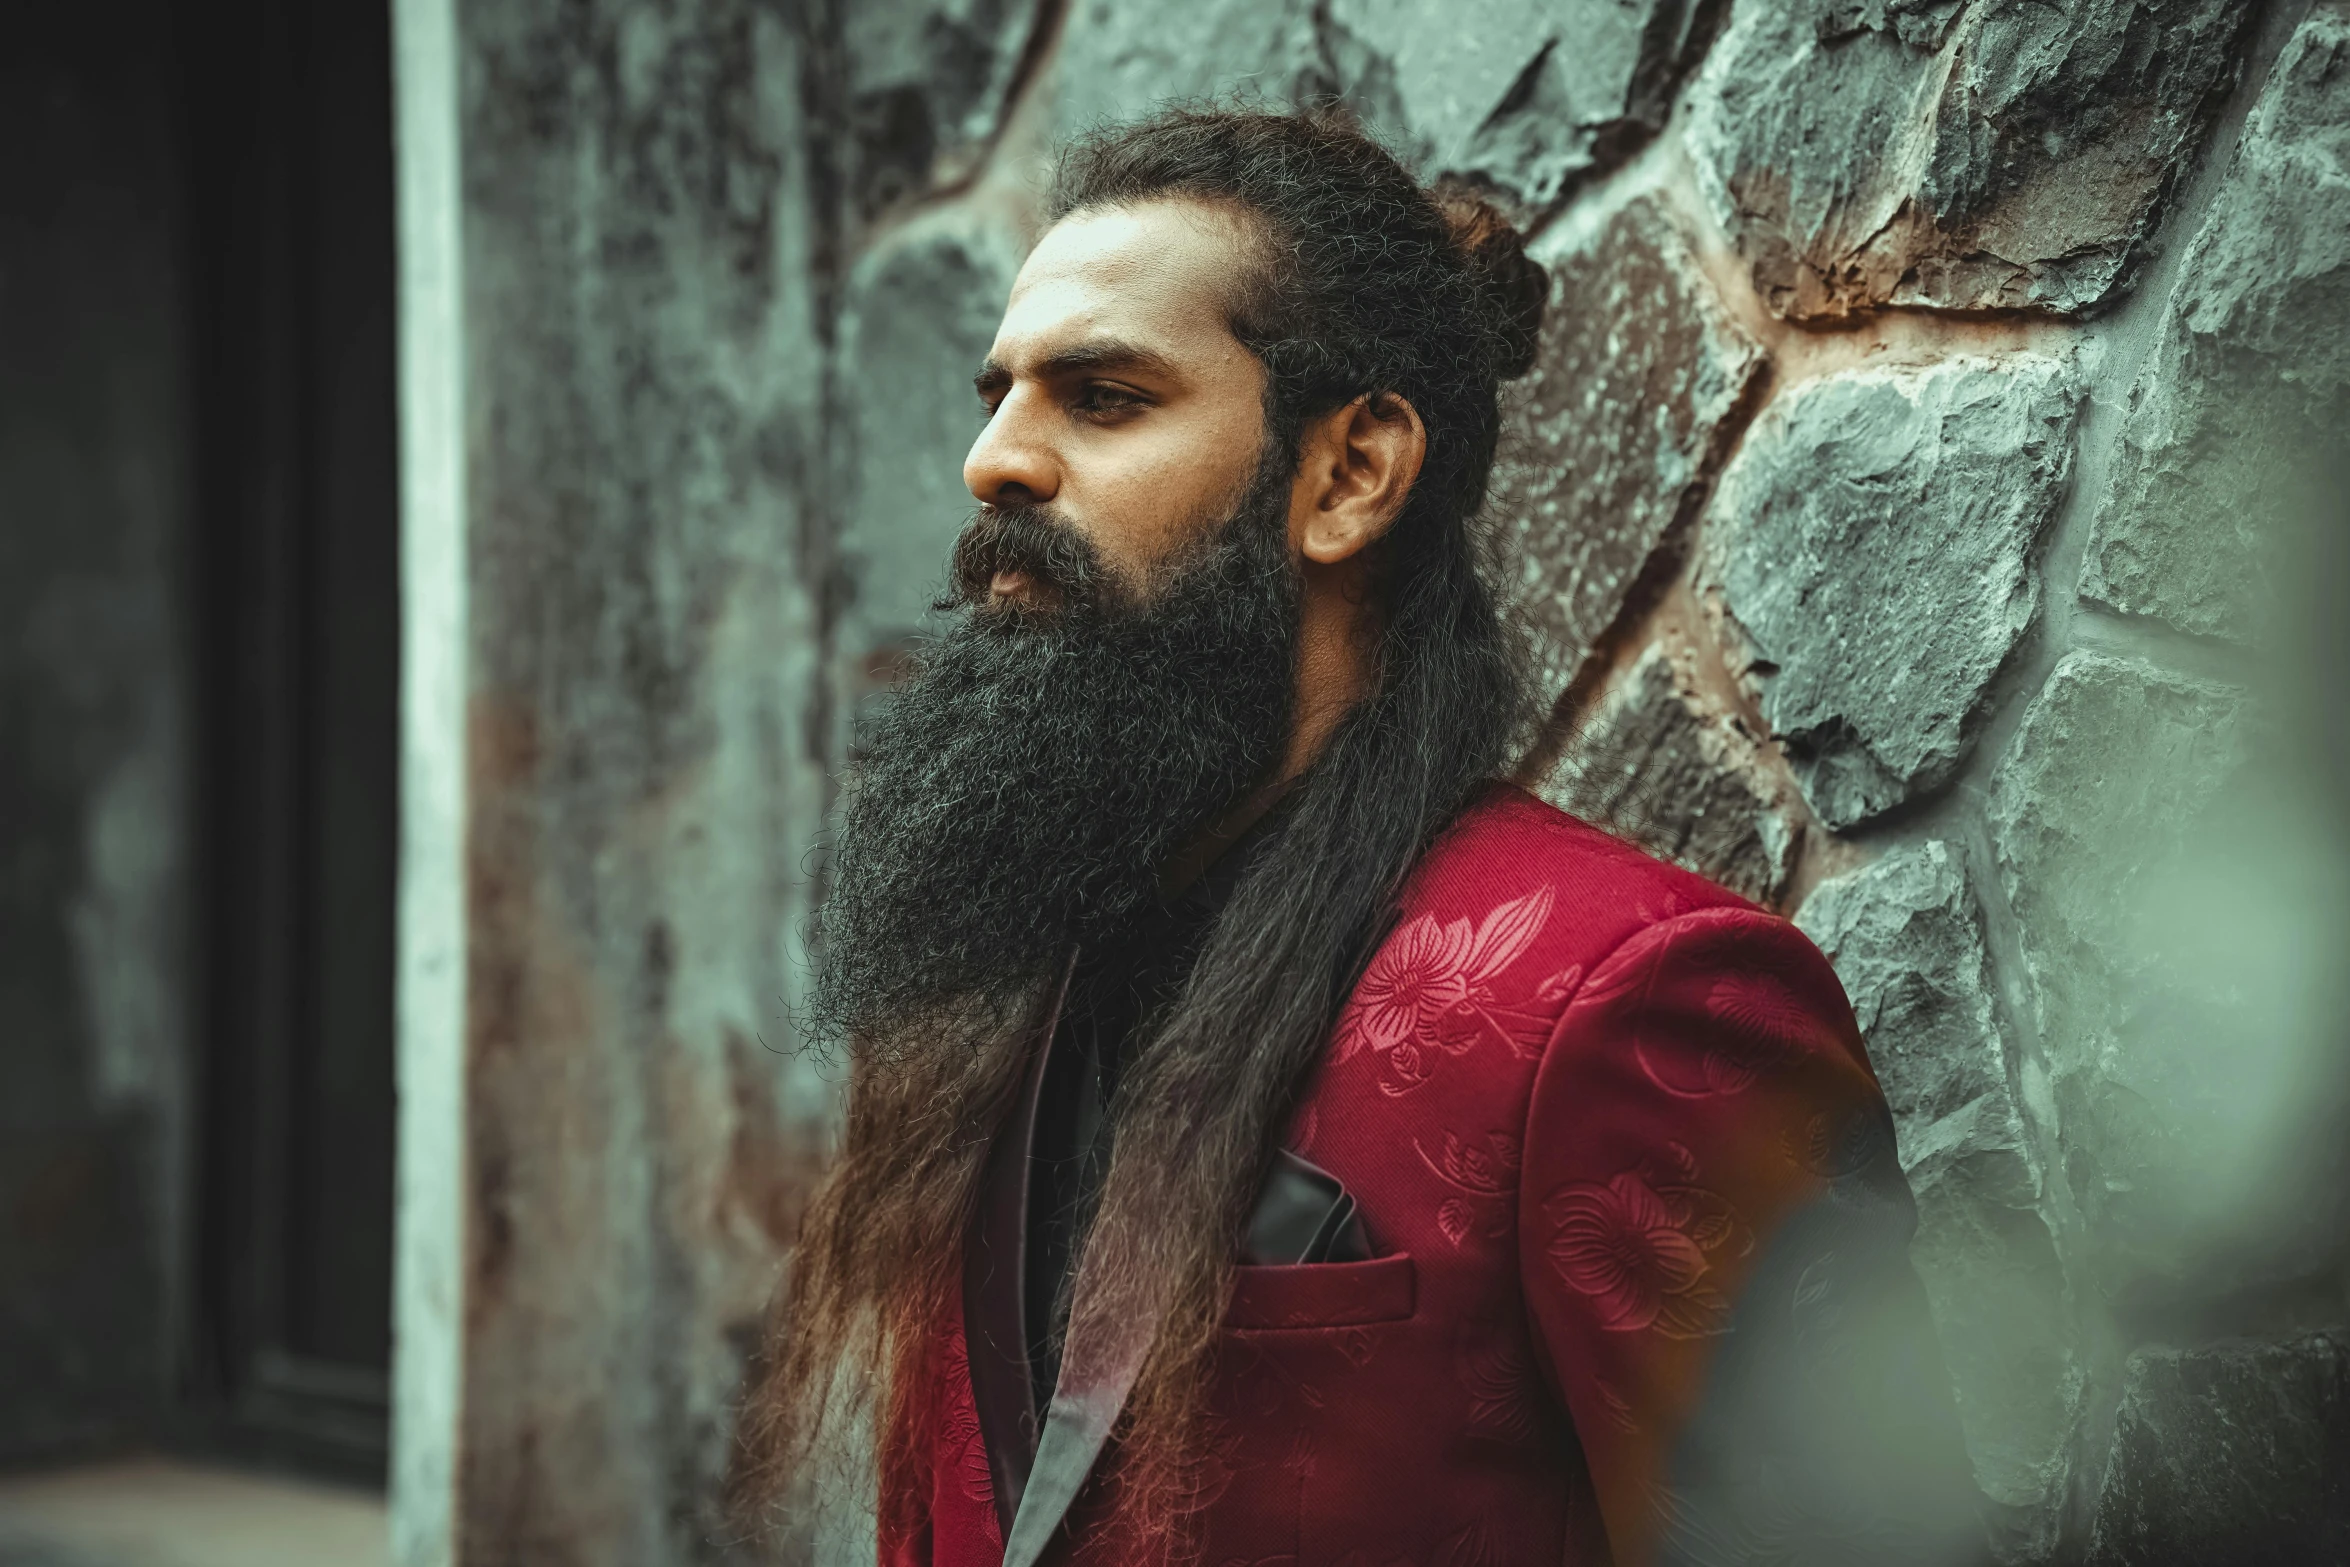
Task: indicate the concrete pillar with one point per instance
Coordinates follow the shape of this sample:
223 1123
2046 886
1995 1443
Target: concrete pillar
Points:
615 723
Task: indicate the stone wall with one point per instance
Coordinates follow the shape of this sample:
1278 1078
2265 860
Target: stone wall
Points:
1913 506
1907 504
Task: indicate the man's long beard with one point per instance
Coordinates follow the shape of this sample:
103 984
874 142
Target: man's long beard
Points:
1022 794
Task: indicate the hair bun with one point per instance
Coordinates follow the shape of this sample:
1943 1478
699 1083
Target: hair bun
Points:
1512 285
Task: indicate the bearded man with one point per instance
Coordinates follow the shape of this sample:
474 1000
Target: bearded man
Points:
1270 1137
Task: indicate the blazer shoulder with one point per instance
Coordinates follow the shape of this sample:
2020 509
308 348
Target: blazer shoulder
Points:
1496 931
1510 844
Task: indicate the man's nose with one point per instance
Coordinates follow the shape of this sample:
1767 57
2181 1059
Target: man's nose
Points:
1010 464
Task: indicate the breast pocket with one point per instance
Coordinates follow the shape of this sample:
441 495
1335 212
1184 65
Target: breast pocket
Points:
1322 1294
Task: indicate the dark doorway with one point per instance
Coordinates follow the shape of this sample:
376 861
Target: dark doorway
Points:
296 561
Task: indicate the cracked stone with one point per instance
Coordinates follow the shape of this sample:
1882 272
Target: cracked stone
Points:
1874 545
1954 154
2105 815
1610 440
2233 1454
928 84
1659 768
1906 940
1531 96
1120 62
921 313
2250 375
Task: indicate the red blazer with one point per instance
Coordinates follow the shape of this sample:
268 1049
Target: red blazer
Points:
1642 1290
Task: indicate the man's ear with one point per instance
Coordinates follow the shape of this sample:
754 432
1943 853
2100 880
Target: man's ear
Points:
1356 468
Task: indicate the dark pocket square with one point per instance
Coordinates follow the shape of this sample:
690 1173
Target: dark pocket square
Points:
1304 1214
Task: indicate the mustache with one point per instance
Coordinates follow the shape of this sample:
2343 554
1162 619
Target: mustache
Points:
1027 539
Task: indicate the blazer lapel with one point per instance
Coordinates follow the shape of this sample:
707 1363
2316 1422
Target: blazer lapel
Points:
1076 1429
995 1270
1078 1423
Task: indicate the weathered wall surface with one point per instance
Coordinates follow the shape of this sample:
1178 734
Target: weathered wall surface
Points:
615 576
1914 491
1904 505
94 1001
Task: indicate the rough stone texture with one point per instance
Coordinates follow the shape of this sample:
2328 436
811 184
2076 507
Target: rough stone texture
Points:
1118 61
94 1000
1907 941
1528 99
1529 96
643 671
718 366
2119 768
927 86
1655 764
920 314
2250 377
2233 1456
1874 540
1614 435
1956 154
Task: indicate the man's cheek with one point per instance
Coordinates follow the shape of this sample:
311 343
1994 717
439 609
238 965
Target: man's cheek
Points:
1145 543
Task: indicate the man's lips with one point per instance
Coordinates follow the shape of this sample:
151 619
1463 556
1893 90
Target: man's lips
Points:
1011 583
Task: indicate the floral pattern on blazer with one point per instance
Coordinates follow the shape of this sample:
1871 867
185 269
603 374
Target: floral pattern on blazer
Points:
1642 1291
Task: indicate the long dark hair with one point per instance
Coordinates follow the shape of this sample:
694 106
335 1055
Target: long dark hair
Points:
1364 284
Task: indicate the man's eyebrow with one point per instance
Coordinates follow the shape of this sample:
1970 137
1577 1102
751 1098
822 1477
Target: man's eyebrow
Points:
1102 353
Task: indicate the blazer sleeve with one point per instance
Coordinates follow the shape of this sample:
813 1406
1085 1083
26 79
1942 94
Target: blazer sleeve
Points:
1714 1232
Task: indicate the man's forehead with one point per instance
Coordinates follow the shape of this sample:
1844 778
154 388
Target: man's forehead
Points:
1154 276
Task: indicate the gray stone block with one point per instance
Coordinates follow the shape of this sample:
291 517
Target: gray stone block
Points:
1120 62
1875 541
1906 939
1613 437
2250 377
2234 1454
928 86
1954 154
2117 772
920 315
1657 767
1530 96
1907 942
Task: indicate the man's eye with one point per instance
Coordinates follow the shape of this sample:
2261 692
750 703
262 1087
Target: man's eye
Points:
1101 398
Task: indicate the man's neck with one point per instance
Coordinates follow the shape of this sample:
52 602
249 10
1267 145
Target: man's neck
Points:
1337 655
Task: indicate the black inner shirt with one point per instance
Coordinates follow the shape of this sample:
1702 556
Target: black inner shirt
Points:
1117 995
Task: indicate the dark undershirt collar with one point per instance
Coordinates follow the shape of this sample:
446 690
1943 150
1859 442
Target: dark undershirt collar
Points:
1113 995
